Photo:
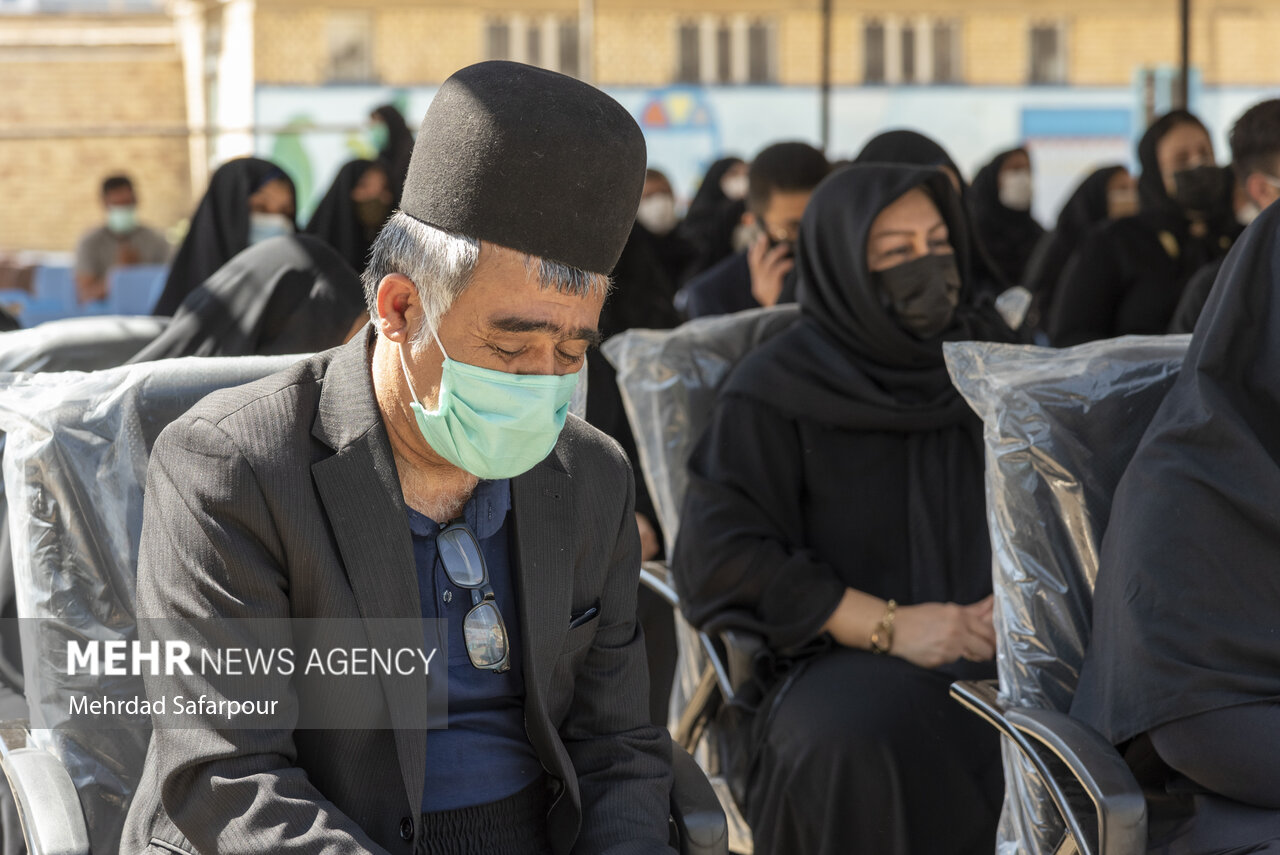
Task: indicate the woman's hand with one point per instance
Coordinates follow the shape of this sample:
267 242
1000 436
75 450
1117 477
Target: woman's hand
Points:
934 634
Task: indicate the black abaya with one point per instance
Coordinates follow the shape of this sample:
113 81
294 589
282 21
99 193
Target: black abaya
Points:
1009 236
1127 276
1187 597
839 455
219 228
284 295
1085 209
336 221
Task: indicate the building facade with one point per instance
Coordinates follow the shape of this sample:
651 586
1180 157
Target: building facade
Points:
165 89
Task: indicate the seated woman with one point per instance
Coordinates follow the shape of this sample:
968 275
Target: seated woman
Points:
1184 659
285 295
836 507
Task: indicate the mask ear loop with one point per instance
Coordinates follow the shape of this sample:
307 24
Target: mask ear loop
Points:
404 366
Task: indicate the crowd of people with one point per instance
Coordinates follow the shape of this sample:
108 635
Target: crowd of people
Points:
836 502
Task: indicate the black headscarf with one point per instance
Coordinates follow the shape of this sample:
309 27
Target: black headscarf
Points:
712 218
1152 196
219 228
285 295
1009 236
907 147
1188 593
916 149
848 364
336 221
1087 206
395 154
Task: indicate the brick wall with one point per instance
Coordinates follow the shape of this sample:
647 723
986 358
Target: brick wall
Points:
70 114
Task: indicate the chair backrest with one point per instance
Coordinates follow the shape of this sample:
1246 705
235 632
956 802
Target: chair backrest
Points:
135 290
78 344
1060 428
669 379
75 464
55 293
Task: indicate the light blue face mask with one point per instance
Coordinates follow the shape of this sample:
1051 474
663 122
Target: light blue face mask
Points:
491 423
267 226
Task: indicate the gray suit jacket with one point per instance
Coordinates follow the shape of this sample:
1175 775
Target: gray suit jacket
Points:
280 499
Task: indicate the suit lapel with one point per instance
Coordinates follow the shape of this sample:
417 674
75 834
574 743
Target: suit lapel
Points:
360 490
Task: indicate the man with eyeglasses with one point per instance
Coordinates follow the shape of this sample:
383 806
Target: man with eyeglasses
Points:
428 469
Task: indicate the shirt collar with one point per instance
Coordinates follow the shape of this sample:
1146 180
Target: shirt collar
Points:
485 512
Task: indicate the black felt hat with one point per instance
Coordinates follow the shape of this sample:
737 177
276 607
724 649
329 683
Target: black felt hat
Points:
529 159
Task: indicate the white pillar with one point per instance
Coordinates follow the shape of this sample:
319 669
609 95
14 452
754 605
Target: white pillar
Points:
235 83
188 17
892 50
707 49
517 27
924 49
739 39
550 25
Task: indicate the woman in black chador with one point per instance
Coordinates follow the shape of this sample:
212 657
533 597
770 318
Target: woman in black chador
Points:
352 213
286 295
836 508
1183 667
248 201
1000 211
1106 194
1127 277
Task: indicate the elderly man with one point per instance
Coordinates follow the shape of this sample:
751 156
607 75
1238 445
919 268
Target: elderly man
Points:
427 469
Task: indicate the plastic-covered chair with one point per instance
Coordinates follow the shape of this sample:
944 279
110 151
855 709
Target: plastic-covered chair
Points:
669 380
75 467
135 290
1060 428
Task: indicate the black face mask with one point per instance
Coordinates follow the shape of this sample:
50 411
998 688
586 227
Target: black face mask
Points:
922 294
1201 189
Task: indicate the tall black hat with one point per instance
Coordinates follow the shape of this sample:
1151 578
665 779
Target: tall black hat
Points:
529 159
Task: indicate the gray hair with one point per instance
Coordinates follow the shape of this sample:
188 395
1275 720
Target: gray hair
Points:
440 264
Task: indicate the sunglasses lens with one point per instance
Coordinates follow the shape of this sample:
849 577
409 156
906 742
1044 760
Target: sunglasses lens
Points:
460 555
486 636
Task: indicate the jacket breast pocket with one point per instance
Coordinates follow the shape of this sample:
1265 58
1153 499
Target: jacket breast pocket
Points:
581 632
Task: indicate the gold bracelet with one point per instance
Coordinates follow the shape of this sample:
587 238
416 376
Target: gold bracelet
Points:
882 635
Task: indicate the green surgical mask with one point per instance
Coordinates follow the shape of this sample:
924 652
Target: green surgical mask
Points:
490 423
122 219
378 136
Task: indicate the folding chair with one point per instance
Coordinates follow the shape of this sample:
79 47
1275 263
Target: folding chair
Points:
78 446
1060 429
669 380
135 290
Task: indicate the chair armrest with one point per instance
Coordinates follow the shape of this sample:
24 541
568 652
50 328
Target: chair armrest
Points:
695 810
48 807
1100 771
740 649
656 576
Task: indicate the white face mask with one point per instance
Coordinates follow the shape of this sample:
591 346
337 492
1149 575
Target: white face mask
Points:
657 213
1251 210
122 219
1015 189
734 186
266 226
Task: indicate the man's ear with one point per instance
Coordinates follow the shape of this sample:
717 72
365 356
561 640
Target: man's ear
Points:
1259 189
397 307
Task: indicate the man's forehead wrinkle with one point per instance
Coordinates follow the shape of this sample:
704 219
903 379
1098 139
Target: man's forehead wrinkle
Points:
517 324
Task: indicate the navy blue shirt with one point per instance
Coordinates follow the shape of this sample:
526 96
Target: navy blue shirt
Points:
485 754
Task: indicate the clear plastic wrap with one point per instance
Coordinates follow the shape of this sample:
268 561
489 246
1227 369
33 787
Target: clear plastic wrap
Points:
78 344
668 380
1060 427
75 464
